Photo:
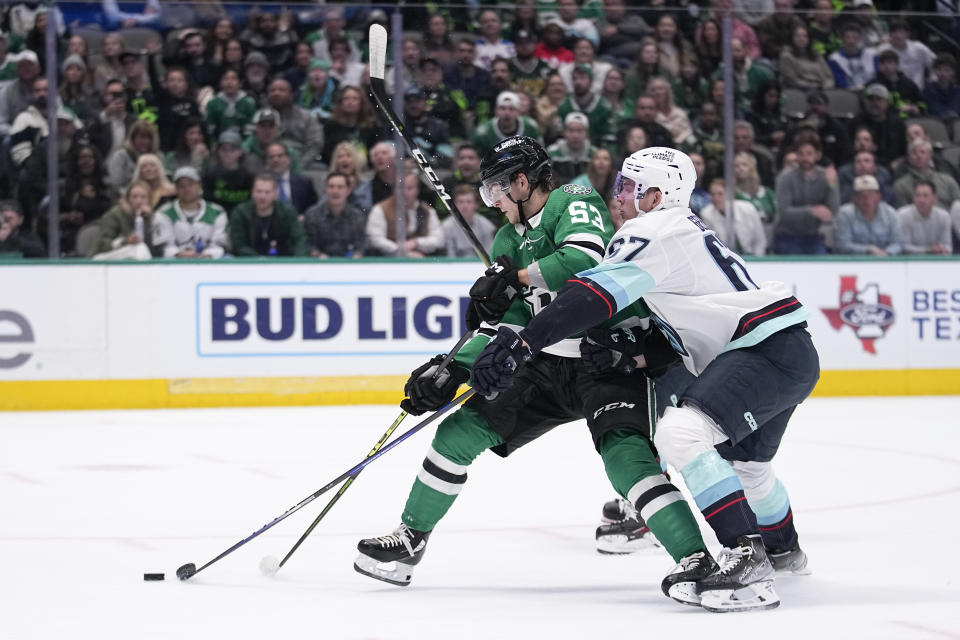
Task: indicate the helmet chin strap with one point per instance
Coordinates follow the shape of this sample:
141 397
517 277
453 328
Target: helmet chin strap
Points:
520 204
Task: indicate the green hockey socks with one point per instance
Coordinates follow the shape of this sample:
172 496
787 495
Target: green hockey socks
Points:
636 475
459 440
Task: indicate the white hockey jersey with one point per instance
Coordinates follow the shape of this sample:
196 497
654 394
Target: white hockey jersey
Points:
700 292
174 230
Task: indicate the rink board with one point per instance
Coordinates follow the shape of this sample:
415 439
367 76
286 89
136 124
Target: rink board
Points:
247 333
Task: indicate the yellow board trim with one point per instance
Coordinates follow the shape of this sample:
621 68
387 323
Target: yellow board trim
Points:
50 395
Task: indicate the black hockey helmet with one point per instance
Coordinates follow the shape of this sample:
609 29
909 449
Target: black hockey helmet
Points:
516 154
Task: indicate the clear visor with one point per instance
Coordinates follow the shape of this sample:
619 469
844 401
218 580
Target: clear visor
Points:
630 188
493 189
623 184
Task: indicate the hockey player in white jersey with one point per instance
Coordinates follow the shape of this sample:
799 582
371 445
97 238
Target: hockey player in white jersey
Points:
746 343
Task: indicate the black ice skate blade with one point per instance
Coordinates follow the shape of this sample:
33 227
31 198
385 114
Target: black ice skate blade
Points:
380 578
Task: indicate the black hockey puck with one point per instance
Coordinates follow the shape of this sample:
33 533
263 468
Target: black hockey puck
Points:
186 571
149 577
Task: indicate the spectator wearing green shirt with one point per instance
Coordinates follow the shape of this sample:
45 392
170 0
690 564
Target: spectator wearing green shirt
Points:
507 122
594 106
231 108
264 226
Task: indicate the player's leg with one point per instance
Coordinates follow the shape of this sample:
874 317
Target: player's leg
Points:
766 494
459 439
617 413
768 499
621 529
515 417
735 395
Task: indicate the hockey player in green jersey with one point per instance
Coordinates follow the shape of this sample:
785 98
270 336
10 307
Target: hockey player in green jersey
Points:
553 232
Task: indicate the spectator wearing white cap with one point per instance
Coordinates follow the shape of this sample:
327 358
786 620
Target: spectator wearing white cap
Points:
507 122
17 95
189 226
868 225
570 155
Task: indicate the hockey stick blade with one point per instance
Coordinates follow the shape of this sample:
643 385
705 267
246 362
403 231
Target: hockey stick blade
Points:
378 51
187 570
378 91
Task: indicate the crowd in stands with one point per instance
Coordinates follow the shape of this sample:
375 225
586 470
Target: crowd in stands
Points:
256 137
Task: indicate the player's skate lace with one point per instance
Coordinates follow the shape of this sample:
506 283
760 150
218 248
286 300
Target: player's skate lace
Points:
691 561
400 536
729 559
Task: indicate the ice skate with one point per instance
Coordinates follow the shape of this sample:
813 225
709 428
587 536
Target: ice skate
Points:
626 536
743 580
789 561
391 558
681 583
616 510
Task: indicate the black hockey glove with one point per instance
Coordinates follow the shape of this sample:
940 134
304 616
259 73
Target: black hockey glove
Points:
492 293
604 351
623 345
427 391
494 368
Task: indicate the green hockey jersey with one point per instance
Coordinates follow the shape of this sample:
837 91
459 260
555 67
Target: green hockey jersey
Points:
569 234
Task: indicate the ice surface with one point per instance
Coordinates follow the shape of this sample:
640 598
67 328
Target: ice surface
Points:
89 501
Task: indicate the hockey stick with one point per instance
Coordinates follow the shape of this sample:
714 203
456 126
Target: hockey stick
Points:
346 485
378 90
189 570
378 50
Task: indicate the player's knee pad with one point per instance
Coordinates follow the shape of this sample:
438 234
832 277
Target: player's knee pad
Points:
684 433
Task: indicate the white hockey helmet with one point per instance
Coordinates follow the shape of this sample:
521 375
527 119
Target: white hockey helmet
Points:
669 170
